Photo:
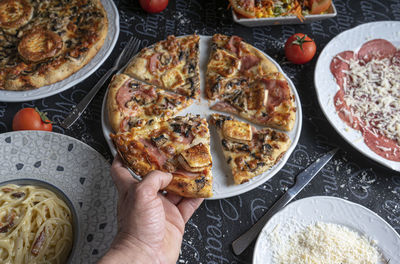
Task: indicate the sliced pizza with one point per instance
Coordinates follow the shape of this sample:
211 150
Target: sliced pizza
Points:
244 8
232 65
266 101
131 103
180 146
171 64
248 151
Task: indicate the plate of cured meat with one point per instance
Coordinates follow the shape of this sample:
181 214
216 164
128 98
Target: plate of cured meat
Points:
357 78
216 112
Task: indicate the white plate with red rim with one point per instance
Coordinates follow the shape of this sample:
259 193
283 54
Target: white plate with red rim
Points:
326 86
301 213
223 186
80 75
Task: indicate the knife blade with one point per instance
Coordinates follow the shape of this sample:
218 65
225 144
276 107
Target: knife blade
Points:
302 179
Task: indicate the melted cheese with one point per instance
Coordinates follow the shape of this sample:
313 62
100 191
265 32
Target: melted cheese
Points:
374 94
329 244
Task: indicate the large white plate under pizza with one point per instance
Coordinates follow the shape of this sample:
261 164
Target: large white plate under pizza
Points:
82 74
326 86
223 186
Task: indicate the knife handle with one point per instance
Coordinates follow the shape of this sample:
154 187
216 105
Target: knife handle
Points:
242 242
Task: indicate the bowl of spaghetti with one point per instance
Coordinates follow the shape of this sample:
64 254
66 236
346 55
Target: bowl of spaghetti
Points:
38 223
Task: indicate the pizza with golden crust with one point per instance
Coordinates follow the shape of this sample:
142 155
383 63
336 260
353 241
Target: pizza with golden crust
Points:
267 101
232 65
180 146
131 103
248 151
43 41
171 64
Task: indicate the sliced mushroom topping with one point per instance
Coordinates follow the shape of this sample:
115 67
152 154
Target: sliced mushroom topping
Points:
159 141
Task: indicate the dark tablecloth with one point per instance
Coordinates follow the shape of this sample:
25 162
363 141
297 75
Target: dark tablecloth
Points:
349 175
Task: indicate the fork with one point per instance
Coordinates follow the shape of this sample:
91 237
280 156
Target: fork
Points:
130 49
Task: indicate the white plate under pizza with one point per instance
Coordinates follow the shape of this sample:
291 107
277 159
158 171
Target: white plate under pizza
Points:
223 186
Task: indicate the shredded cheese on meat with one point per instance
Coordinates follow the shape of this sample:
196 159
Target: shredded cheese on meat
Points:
325 243
373 92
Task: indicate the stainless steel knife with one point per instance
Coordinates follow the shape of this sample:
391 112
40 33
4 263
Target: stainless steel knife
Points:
302 179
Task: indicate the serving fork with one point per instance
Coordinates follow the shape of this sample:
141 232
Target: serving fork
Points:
130 49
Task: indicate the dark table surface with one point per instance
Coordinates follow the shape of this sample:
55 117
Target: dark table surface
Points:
349 175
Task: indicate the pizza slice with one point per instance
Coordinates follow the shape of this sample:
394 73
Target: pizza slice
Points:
232 65
171 64
244 8
267 101
131 103
180 145
248 151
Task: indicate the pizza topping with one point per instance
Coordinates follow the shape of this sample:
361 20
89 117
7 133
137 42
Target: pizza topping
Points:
234 44
224 63
40 44
153 153
15 13
257 98
153 63
188 174
159 141
237 131
278 91
195 158
248 61
225 107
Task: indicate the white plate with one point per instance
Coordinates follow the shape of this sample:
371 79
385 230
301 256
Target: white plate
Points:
304 212
283 20
326 86
79 171
223 185
83 73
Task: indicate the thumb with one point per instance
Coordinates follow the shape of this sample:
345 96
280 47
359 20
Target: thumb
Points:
153 182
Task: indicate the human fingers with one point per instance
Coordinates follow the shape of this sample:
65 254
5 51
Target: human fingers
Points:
173 198
187 207
120 175
152 183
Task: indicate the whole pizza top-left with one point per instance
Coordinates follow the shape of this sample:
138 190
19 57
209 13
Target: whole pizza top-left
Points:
45 41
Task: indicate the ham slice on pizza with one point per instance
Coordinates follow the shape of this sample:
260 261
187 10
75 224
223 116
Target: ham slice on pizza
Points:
131 103
180 146
232 65
171 64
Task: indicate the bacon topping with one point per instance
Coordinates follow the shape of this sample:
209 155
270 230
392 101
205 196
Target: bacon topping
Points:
153 153
234 44
225 107
39 243
153 62
187 173
248 61
278 91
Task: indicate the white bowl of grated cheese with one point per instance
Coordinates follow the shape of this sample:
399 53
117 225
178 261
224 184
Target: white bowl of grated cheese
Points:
327 230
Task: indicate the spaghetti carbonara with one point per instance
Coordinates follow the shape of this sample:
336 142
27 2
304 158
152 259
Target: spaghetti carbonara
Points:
35 226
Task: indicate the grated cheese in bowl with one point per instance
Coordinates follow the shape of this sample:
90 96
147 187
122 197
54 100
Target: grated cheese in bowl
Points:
324 243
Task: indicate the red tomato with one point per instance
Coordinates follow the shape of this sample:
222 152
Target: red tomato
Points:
153 6
319 6
299 48
31 119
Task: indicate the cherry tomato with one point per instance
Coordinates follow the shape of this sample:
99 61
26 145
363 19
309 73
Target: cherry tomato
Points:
31 119
299 48
319 6
153 6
